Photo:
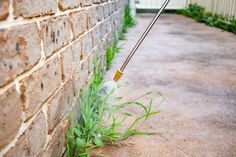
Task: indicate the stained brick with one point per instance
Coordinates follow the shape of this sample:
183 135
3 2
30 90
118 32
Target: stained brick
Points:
29 8
79 22
60 105
10 116
55 33
20 50
68 4
32 141
4 9
38 87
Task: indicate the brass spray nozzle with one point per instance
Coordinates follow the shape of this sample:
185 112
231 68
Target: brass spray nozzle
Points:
118 75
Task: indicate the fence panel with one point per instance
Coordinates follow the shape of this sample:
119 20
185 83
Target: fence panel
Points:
155 4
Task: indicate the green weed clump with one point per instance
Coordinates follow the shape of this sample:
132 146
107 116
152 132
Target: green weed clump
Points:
111 52
100 122
127 23
199 13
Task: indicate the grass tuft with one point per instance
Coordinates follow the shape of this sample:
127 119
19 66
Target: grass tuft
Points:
127 23
111 52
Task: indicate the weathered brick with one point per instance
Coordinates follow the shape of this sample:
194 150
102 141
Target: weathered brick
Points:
60 105
99 12
29 8
55 33
4 9
86 44
86 2
37 134
37 87
20 50
70 59
32 141
106 10
57 145
20 149
80 77
68 4
91 58
92 18
96 35
67 61
79 22
77 84
76 51
10 116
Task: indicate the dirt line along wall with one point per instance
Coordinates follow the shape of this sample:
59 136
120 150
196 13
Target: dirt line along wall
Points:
47 49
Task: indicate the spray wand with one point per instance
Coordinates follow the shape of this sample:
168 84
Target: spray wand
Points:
120 71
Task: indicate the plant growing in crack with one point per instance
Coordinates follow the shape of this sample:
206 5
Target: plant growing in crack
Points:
100 121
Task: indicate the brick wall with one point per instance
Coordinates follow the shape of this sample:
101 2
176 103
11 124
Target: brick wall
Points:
47 49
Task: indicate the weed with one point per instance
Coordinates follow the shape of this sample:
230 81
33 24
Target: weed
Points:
198 13
127 23
111 52
100 123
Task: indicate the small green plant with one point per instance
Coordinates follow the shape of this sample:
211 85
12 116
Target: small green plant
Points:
111 52
100 122
198 13
127 23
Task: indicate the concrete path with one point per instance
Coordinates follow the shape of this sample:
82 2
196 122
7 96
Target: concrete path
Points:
194 67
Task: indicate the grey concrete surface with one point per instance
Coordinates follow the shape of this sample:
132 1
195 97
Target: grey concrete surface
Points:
194 67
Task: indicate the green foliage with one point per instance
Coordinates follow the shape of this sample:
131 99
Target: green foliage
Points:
195 11
111 52
127 23
100 122
198 13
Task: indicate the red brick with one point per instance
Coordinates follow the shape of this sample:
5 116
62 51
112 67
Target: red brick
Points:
68 4
20 50
4 9
32 141
55 33
60 105
29 8
40 85
10 116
